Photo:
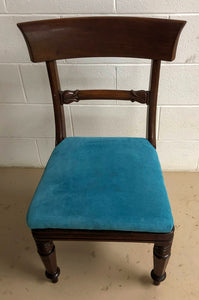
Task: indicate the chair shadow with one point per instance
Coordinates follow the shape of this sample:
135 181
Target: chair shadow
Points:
19 255
89 257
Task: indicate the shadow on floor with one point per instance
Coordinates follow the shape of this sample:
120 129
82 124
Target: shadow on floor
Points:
18 251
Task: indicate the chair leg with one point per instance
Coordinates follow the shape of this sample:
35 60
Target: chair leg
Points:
46 250
161 255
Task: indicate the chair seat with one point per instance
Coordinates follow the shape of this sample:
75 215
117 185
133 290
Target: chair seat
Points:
102 184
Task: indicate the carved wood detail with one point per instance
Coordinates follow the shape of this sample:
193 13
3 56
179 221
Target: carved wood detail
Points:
45 247
68 96
162 252
140 96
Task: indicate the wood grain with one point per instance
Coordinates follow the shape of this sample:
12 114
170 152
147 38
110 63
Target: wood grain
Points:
102 37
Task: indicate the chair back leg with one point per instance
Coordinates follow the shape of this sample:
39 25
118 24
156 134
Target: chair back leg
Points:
46 250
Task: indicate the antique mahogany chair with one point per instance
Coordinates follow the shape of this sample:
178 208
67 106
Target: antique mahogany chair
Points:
100 188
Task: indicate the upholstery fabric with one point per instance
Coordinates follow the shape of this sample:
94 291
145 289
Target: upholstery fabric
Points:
102 183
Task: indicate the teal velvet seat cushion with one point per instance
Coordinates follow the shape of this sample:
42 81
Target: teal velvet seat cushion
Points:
102 183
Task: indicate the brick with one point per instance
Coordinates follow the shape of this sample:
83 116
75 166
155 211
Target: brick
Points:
87 77
178 156
14 49
146 6
18 153
188 47
109 121
29 120
177 84
45 147
26 120
72 77
179 123
61 6
11 88
107 60
36 83
2 7
133 77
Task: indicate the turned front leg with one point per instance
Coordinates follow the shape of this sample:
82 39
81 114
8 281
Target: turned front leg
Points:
46 250
161 255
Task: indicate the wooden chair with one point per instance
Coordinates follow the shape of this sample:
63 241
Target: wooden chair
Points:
102 189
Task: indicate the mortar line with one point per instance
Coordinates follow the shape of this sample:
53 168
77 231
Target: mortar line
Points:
22 84
71 120
38 153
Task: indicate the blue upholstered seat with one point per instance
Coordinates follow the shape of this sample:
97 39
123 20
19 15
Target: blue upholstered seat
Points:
102 183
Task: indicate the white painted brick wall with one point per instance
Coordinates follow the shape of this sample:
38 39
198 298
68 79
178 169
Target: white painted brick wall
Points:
108 120
19 152
2 6
26 114
157 6
60 6
11 90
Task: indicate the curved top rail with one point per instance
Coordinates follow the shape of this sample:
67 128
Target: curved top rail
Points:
54 39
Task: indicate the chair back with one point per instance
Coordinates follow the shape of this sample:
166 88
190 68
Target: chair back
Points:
149 38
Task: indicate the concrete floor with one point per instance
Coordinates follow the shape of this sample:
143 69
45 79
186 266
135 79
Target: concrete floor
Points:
91 270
